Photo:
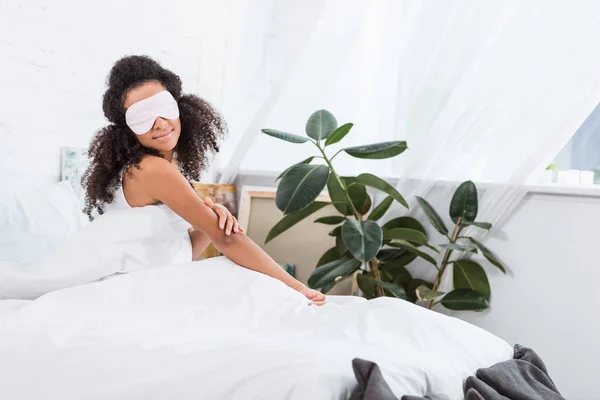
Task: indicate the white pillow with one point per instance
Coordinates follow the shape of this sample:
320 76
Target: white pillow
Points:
35 220
118 241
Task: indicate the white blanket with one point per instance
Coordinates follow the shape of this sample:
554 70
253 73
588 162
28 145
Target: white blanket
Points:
214 330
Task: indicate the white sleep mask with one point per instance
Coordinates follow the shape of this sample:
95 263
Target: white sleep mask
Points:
140 116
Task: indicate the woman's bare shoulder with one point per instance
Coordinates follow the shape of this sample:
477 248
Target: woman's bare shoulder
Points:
151 167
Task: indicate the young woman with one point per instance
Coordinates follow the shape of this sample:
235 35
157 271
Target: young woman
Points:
158 141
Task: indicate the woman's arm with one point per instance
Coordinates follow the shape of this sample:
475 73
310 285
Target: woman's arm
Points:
227 222
200 242
163 182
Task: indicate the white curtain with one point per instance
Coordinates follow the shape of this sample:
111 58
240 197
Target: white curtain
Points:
499 91
311 60
453 77
263 43
487 91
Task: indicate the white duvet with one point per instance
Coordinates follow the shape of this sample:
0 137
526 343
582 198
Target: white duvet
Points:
214 330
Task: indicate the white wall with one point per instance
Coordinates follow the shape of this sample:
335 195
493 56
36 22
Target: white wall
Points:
56 57
549 300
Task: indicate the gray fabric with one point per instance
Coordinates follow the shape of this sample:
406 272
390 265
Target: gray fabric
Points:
525 377
371 385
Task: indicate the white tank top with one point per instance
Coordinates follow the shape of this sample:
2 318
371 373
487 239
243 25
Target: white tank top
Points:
179 249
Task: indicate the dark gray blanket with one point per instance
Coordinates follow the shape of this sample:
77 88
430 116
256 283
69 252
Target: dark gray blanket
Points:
523 378
371 385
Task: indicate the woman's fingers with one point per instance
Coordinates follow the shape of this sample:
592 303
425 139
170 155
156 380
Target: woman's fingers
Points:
230 220
222 218
226 220
218 210
315 302
316 298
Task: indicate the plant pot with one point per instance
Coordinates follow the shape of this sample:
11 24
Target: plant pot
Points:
547 177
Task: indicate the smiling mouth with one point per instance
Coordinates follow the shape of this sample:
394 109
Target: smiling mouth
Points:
164 136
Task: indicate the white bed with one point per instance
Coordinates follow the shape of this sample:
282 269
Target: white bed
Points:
214 330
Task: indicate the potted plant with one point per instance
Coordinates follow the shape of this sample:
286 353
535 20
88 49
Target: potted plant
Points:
376 254
471 288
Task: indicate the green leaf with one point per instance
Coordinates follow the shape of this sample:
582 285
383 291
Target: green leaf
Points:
332 271
358 194
337 231
339 244
463 205
338 198
402 276
330 220
307 161
425 293
482 225
434 218
408 246
380 184
385 275
330 255
378 150
465 299
292 219
339 134
410 235
288 137
366 283
366 205
411 288
405 222
396 290
487 253
300 187
396 266
386 255
458 247
470 275
321 125
381 209
362 238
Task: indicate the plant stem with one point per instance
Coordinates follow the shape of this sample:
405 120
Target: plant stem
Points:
339 181
373 262
445 259
376 275
336 154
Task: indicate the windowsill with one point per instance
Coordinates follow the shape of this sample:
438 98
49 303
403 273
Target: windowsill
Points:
549 189
565 190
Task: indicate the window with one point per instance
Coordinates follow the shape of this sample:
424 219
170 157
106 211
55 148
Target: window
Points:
583 150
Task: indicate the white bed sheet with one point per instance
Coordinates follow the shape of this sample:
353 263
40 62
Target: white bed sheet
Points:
214 330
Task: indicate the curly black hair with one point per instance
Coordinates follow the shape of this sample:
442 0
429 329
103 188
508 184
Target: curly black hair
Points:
115 147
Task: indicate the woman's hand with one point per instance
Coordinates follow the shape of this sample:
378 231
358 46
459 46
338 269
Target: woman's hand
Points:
226 219
317 298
